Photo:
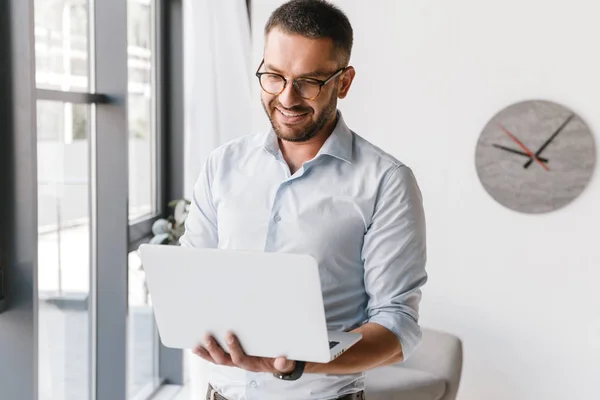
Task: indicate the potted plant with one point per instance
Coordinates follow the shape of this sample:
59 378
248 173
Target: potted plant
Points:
169 230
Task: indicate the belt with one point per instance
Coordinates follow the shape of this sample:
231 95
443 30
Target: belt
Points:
212 394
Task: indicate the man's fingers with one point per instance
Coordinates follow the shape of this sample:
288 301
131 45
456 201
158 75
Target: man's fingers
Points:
216 352
202 353
238 357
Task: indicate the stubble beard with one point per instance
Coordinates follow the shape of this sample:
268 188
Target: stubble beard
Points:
310 131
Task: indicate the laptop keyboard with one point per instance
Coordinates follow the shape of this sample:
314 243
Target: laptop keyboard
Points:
332 344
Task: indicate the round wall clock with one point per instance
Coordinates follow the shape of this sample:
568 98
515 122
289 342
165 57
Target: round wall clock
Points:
535 156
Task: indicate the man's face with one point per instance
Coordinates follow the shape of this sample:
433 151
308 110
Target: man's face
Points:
294 56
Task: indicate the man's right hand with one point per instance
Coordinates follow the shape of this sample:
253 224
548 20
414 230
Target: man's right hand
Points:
212 352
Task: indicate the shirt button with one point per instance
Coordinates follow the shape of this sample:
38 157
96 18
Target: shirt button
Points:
253 384
277 218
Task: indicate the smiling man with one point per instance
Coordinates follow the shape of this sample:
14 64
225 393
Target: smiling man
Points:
311 185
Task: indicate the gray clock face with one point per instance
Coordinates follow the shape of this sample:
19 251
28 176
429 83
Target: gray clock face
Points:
535 156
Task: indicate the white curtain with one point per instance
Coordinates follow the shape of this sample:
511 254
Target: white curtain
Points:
217 98
217 79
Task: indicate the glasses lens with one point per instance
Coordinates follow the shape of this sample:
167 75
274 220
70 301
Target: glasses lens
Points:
272 83
306 88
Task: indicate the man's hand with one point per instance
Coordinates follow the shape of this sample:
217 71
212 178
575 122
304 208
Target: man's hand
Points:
212 352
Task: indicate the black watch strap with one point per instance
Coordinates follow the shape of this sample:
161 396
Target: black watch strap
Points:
295 374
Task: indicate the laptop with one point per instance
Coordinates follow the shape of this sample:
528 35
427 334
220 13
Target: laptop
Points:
271 301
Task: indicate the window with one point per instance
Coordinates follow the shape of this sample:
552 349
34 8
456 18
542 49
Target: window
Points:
142 334
61 122
61 54
141 50
89 307
142 111
63 251
61 44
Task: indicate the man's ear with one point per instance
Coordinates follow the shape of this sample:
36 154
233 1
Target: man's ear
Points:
346 81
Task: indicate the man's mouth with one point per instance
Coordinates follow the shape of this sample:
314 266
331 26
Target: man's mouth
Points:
290 117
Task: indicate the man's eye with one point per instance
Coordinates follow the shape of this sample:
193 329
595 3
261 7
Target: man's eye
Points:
273 78
306 82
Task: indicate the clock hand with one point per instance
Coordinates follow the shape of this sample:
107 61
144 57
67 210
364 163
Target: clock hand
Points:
521 145
522 153
550 139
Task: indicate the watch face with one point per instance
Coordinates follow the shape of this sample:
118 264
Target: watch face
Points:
535 156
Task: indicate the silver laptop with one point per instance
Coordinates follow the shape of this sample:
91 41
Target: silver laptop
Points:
271 301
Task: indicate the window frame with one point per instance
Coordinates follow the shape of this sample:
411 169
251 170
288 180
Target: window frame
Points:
113 236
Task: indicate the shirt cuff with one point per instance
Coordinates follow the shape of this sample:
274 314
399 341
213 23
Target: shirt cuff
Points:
404 327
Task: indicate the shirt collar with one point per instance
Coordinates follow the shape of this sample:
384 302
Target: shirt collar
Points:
338 144
271 143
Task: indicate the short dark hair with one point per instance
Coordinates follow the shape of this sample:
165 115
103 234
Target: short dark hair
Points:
315 19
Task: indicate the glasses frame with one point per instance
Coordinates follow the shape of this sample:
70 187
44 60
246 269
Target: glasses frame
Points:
294 85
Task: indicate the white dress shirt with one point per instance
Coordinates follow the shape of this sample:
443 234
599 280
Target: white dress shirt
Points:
353 207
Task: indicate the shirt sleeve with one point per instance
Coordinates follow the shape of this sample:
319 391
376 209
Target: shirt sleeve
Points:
201 229
394 256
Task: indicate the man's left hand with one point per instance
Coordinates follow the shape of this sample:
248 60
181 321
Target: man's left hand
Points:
212 352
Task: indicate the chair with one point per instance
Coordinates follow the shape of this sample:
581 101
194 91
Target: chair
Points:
432 372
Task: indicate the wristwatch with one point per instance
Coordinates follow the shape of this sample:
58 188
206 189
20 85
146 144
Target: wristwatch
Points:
294 375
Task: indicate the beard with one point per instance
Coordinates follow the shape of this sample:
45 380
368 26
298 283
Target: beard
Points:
310 129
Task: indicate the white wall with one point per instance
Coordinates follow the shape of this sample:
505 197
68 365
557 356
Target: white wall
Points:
520 290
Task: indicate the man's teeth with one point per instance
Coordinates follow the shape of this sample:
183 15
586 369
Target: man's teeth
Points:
290 115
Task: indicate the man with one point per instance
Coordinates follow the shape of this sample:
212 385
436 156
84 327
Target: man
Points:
311 185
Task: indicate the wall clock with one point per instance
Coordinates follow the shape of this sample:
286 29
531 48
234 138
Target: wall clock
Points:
535 156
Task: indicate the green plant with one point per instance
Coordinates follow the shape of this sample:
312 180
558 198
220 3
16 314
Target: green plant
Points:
169 230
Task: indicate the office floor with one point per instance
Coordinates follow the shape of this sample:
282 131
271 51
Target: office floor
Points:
172 392
184 394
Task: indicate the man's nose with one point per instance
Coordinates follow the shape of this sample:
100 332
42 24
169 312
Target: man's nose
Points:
289 98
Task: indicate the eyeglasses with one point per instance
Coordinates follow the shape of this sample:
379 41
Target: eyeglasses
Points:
307 88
